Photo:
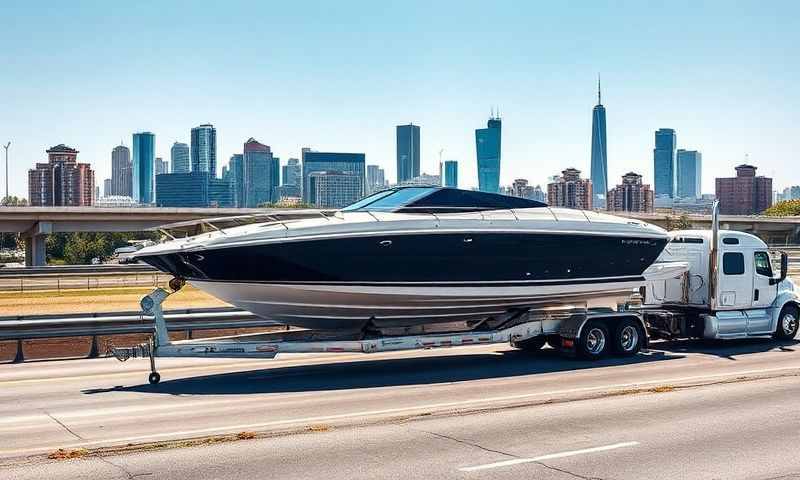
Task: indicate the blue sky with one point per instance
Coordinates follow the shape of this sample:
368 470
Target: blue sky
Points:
340 75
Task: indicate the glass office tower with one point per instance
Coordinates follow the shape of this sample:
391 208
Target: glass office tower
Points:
143 167
689 176
450 174
347 163
487 146
664 163
407 152
204 149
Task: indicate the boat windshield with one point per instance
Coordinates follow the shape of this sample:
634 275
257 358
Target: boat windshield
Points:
437 200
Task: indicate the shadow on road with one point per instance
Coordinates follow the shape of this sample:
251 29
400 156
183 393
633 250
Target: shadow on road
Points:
390 372
385 372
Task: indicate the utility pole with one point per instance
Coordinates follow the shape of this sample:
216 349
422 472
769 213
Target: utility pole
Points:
441 172
6 147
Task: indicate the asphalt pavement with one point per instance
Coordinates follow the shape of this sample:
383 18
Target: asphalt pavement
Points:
683 410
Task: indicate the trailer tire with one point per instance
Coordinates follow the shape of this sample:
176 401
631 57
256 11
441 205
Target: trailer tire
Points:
628 338
788 322
530 344
594 340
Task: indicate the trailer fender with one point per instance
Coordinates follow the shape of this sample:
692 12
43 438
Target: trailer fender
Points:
572 327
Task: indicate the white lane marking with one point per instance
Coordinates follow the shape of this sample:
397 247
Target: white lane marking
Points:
343 416
550 456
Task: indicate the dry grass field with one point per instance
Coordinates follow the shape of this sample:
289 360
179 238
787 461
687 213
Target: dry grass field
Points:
97 300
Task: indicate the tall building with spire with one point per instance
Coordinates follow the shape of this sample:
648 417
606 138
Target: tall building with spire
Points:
487 147
599 164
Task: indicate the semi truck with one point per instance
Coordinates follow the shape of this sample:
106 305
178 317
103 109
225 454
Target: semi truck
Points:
706 284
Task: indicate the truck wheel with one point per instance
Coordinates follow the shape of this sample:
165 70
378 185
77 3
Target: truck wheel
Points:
788 321
529 344
628 338
593 343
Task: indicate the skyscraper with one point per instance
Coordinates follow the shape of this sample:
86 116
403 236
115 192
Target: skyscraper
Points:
258 173
192 189
204 149
689 173
161 166
121 175
236 180
664 163
334 189
347 163
487 147
291 176
599 170
407 152
143 167
376 179
275 179
180 158
450 174
62 181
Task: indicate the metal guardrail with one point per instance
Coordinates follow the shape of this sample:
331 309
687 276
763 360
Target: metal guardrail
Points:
93 325
81 269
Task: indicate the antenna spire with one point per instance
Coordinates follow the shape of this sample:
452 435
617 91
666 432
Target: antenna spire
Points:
598 90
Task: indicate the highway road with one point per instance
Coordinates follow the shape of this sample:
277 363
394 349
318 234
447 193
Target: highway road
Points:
682 410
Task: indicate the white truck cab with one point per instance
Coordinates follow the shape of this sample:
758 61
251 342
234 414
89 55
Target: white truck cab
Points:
729 285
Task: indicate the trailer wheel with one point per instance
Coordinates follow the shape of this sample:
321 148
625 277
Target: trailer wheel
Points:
628 337
530 344
154 378
593 343
788 322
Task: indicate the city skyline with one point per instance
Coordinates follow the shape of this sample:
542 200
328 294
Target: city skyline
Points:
744 105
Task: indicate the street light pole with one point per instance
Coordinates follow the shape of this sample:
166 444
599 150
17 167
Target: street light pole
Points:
6 147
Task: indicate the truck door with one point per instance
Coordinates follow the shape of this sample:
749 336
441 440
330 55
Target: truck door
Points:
763 294
736 279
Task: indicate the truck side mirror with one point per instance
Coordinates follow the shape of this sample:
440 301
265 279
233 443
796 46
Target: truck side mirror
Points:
784 270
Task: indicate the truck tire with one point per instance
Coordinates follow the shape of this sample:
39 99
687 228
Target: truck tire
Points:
788 321
628 338
530 344
594 340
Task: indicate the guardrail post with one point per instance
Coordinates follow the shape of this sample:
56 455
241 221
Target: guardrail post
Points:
20 357
93 351
189 334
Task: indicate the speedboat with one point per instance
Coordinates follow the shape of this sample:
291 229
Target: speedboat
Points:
415 256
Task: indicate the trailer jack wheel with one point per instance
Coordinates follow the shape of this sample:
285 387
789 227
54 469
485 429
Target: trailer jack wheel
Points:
154 378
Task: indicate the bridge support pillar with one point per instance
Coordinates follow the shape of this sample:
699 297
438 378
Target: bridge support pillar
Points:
35 244
35 251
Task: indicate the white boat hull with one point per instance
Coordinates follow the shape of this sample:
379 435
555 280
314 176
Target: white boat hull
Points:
342 306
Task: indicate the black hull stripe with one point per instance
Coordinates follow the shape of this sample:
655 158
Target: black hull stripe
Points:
530 283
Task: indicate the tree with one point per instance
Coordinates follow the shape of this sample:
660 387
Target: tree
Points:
14 201
787 208
682 223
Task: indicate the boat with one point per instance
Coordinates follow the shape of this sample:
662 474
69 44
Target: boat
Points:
415 257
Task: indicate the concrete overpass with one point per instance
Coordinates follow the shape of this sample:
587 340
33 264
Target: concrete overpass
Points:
773 230
34 223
